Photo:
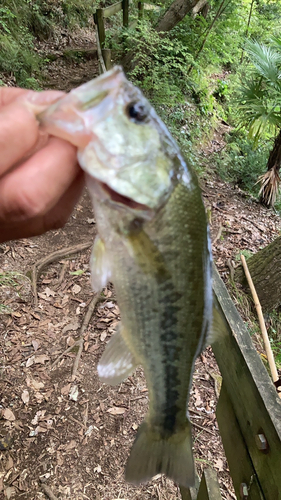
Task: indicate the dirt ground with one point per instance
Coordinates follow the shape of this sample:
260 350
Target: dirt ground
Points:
69 437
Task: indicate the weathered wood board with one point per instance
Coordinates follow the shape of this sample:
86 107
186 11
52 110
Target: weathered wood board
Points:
239 461
253 396
209 487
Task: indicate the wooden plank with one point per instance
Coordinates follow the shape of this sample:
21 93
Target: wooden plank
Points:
239 461
111 10
209 488
252 394
98 18
102 68
106 54
125 4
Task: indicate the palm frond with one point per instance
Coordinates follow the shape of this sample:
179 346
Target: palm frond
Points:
267 61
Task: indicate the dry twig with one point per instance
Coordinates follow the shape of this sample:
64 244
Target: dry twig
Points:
58 254
270 357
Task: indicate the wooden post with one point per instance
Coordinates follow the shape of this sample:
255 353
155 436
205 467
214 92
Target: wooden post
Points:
140 10
125 13
239 461
98 18
106 54
209 487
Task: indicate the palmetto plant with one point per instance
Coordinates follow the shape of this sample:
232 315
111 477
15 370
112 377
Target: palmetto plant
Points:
259 105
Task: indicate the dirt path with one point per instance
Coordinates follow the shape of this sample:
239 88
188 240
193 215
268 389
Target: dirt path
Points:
75 435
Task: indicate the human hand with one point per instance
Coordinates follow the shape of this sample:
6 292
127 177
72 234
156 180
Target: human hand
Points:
40 180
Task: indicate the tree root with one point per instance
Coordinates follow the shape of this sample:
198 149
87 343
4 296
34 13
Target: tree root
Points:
84 327
80 341
58 254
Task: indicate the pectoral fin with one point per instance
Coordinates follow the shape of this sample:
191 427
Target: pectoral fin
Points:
100 265
117 361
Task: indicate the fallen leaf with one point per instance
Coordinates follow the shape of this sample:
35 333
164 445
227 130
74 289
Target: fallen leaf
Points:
91 221
8 415
35 344
49 293
116 410
10 463
103 336
70 445
219 464
10 492
76 289
25 396
40 359
65 389
73 393
34 384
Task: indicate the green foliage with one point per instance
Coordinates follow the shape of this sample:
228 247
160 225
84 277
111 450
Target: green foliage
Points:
160 65
241 164
23 22
259 97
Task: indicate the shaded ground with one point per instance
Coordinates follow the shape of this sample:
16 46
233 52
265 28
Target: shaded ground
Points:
75 435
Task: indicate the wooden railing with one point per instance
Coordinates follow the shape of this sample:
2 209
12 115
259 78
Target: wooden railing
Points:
249 409
248 414
104 54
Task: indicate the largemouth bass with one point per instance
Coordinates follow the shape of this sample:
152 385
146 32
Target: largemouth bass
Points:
153 245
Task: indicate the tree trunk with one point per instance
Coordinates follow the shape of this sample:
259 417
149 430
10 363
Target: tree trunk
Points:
176 12
265 269
270 181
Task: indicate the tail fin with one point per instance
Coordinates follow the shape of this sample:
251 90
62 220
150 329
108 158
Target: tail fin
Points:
152 454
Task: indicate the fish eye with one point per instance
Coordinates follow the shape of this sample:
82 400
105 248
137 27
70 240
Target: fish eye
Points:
137 112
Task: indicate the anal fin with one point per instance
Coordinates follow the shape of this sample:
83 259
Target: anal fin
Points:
117 361
100 265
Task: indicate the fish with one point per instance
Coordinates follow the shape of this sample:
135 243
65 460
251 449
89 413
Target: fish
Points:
153 244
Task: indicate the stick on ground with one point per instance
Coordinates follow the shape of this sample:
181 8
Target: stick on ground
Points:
48 492
270 357
58 254
84 327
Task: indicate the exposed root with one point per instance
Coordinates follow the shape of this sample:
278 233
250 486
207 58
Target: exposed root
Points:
80 341
84 327
58 254
270 182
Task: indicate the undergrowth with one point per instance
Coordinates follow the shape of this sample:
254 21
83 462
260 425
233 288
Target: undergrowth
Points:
22 22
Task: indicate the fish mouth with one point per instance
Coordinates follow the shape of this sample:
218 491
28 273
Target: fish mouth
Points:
121 199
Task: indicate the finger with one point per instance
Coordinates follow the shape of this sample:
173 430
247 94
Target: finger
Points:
34 187
19 129
9 94
18 134
54 219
